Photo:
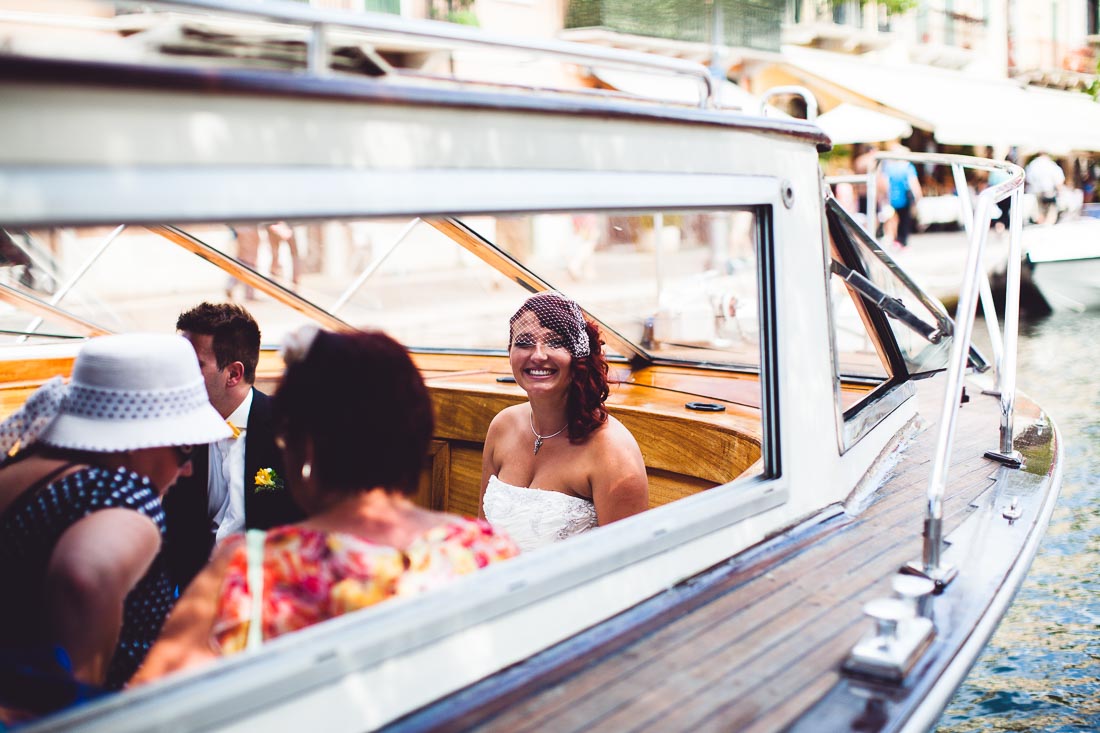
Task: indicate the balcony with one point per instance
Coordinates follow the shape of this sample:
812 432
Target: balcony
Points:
750 24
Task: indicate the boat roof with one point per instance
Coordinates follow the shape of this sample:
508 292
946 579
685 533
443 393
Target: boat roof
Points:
285 48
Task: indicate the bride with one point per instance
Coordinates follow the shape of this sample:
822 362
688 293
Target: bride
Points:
558 464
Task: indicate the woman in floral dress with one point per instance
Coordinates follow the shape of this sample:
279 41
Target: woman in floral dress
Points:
353 449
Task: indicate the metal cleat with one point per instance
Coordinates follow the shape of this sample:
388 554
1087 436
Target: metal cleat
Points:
900 637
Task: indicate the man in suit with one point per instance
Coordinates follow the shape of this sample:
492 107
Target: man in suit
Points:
237 483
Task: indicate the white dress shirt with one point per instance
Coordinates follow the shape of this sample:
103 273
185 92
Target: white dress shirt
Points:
225 482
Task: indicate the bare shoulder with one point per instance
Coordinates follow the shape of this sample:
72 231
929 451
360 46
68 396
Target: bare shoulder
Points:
107 548
620 486
614 436
507 418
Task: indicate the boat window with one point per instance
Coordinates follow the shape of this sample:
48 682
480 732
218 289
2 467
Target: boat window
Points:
918 323
670 286
859 350
678 286
134 278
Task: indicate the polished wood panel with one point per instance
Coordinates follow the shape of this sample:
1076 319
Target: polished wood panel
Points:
465 496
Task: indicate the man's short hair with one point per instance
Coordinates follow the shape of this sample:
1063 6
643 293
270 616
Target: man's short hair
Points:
235 335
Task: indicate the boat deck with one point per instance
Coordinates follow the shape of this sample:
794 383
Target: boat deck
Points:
724 650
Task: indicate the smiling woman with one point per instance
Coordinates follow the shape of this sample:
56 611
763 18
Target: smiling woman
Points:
594 477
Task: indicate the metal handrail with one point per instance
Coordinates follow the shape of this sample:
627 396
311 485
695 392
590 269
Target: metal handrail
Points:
251 277
976 220
957 163
794 90
967 216
931 559
320 20
31 304
75 278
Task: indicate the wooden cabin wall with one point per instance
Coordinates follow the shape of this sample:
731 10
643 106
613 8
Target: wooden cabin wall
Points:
717 454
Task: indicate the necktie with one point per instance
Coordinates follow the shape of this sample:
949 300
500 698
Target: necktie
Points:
234 428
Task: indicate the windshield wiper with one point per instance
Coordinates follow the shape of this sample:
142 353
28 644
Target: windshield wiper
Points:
888 305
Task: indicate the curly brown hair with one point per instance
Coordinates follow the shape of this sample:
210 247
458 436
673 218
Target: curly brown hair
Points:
588 391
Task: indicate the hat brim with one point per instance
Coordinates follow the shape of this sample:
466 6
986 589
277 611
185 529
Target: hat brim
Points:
195 427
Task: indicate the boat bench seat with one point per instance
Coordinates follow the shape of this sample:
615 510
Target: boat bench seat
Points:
720 452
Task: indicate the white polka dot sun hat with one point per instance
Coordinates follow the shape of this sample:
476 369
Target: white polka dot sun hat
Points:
134 391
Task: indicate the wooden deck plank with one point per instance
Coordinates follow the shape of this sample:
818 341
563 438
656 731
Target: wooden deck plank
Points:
615 693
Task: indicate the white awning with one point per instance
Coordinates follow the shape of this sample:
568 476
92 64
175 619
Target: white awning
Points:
957 108
849 123
682 90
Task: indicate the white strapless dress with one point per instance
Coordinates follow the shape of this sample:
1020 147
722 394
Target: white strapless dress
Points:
536 517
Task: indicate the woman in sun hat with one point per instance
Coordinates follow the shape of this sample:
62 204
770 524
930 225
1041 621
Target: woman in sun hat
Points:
84 467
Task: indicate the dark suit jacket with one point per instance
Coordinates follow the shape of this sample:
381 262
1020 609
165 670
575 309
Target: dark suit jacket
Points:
189 538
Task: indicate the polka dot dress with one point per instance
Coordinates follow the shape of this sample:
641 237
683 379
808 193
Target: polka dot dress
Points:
31 527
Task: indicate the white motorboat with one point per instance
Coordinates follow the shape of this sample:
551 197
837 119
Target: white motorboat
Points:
845 497
1064 263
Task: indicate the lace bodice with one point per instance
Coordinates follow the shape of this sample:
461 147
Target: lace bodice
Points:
535 517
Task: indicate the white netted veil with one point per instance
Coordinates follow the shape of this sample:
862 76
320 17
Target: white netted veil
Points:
560 314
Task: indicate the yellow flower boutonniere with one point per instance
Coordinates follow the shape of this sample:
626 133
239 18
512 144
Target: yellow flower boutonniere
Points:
267 480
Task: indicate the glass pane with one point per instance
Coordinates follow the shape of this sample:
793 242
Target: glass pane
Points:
135 279
412 279
678 285
858 351
675 285
919 354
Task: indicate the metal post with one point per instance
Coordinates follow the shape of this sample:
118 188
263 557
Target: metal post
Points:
317 50
1006 453
989 309
658 227
372 268
872 204
932 564
73 280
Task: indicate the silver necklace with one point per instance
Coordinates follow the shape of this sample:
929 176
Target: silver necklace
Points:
540 438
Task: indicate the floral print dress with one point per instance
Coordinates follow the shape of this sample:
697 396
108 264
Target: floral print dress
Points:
310 575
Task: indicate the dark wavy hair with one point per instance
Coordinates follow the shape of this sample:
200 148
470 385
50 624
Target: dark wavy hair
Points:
233 331
588 390
363 402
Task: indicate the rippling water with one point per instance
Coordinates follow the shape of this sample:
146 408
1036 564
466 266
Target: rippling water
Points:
1041 670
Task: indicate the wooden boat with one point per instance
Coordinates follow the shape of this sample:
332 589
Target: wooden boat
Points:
844 503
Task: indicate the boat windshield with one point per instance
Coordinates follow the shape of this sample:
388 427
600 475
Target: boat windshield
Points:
919 323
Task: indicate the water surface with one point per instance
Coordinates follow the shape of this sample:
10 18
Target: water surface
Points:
1041 670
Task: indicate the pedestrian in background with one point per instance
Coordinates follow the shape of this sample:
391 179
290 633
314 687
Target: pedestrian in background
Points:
1044 178
904 191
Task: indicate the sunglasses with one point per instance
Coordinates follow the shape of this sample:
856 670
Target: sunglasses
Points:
183 453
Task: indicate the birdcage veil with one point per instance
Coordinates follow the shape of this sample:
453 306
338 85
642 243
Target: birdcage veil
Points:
560 314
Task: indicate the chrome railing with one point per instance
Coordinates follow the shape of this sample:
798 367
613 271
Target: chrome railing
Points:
976 219
801 92
317 26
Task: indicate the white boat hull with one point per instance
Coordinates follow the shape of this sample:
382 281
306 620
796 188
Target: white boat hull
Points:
1066 261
